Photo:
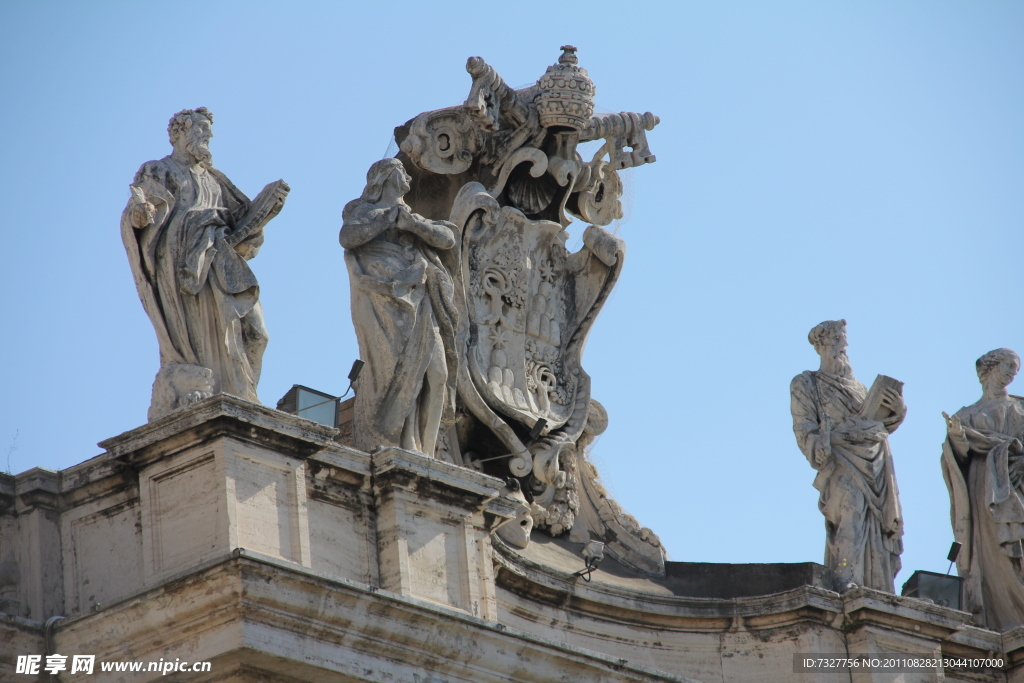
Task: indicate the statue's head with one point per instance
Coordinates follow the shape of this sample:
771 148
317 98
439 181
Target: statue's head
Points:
382 172
999 366
190 131
829 335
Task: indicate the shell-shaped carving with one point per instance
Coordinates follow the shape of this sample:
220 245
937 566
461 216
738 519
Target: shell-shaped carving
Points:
532 195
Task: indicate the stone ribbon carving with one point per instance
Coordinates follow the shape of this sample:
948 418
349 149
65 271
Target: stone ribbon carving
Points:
189 232
983 465
502 174
843 429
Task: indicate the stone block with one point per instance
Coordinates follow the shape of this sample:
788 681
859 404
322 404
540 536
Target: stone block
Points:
203 502
433 530
342 527
720 580
39 545
221 475
103 558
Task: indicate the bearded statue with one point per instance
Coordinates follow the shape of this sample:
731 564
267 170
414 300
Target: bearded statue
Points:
189 233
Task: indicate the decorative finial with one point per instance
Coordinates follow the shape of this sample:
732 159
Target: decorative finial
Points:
568 55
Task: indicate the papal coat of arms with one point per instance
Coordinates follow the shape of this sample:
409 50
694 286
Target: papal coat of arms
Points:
503 173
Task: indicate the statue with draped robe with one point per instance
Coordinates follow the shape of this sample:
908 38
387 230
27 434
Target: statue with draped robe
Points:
403 309
983 465
189 233
850 452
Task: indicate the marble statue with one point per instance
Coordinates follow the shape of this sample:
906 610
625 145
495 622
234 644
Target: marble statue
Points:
189 233
983 465
404 314
502 173
843 430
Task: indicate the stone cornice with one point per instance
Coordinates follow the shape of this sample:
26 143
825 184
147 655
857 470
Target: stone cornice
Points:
545 585
860 607
868 606
220 415
38 487
264 609
431 478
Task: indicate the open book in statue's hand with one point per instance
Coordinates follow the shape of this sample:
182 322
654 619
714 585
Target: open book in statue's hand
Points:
264 207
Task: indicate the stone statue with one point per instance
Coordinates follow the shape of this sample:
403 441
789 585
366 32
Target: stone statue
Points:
843 430
403 312
188 233
983 465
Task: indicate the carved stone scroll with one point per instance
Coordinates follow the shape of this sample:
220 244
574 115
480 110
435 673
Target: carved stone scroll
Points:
443 141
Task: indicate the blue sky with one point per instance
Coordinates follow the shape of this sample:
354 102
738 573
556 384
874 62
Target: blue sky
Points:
815 161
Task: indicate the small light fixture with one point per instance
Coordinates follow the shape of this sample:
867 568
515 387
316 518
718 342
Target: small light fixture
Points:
954 552
592 553
353 374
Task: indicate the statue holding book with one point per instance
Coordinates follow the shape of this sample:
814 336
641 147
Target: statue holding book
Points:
189 232
843 429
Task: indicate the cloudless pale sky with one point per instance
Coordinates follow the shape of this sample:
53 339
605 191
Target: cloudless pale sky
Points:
857 160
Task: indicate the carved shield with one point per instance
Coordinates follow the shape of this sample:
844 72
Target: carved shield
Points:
527 302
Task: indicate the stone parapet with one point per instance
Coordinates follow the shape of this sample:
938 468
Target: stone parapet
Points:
222 415
231 533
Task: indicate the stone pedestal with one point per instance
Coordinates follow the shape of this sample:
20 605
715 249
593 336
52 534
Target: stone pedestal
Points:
227 475
433 530
203 502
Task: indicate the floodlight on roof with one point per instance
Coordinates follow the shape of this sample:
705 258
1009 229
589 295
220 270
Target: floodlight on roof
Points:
942 589
314 404
311 404
592 553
